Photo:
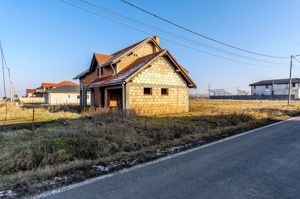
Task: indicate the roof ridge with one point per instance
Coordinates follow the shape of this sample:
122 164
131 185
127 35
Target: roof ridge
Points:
128 47
118 55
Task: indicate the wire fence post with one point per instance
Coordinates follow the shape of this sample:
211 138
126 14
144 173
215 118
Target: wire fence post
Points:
290 81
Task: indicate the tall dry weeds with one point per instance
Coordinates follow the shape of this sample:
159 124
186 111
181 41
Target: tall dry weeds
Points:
102 135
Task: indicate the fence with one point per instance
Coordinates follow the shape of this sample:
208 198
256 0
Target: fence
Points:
32 100
253 97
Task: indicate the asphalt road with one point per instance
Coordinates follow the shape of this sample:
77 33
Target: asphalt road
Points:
262 164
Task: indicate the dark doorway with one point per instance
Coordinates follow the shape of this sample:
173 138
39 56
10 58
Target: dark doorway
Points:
114 98
102 98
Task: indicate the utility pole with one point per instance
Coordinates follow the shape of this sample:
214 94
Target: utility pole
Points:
10 87
3 73
290 83
10 83
208 90
272 92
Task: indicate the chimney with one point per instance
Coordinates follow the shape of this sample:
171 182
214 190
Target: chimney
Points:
157 39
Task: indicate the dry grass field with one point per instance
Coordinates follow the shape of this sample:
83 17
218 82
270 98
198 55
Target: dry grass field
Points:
24 115
73 142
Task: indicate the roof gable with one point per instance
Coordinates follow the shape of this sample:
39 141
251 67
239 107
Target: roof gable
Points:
125 73
105 60
102 58
140 64
98 59
118 55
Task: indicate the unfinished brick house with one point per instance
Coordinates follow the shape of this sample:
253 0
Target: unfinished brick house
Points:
142 78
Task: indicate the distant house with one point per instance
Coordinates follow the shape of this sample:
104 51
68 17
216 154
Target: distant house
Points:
30 92
49 85
143 78
276 87
62 95
39 91
53 93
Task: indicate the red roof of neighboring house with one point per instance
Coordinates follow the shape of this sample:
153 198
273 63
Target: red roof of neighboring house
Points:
30 90
63 83
67 83
48 85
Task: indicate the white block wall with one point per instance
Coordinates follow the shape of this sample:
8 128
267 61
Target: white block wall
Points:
62 98
278 89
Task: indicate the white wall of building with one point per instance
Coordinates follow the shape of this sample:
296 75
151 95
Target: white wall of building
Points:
276 89
62 98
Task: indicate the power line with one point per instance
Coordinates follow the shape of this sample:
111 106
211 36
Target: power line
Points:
96 7
215 55
296 59
174 42
10 83
202 35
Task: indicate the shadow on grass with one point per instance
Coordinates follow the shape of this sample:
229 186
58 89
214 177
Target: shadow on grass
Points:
16 125
54 108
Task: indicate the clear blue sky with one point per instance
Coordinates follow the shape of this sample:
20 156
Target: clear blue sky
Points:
52 41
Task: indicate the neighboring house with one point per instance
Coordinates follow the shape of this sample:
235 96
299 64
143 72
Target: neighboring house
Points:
142 78
30 92
41 95
276 87
39 91
48 85
62 95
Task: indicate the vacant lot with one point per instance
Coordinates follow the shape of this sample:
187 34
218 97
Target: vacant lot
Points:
78 142
16 114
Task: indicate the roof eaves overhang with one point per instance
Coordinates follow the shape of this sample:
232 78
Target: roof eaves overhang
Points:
95 85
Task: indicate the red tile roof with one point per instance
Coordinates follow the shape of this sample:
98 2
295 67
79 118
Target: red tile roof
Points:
48 84
126 72
110 58
63 83
30 90
138 64
102 58
105 60
67 83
